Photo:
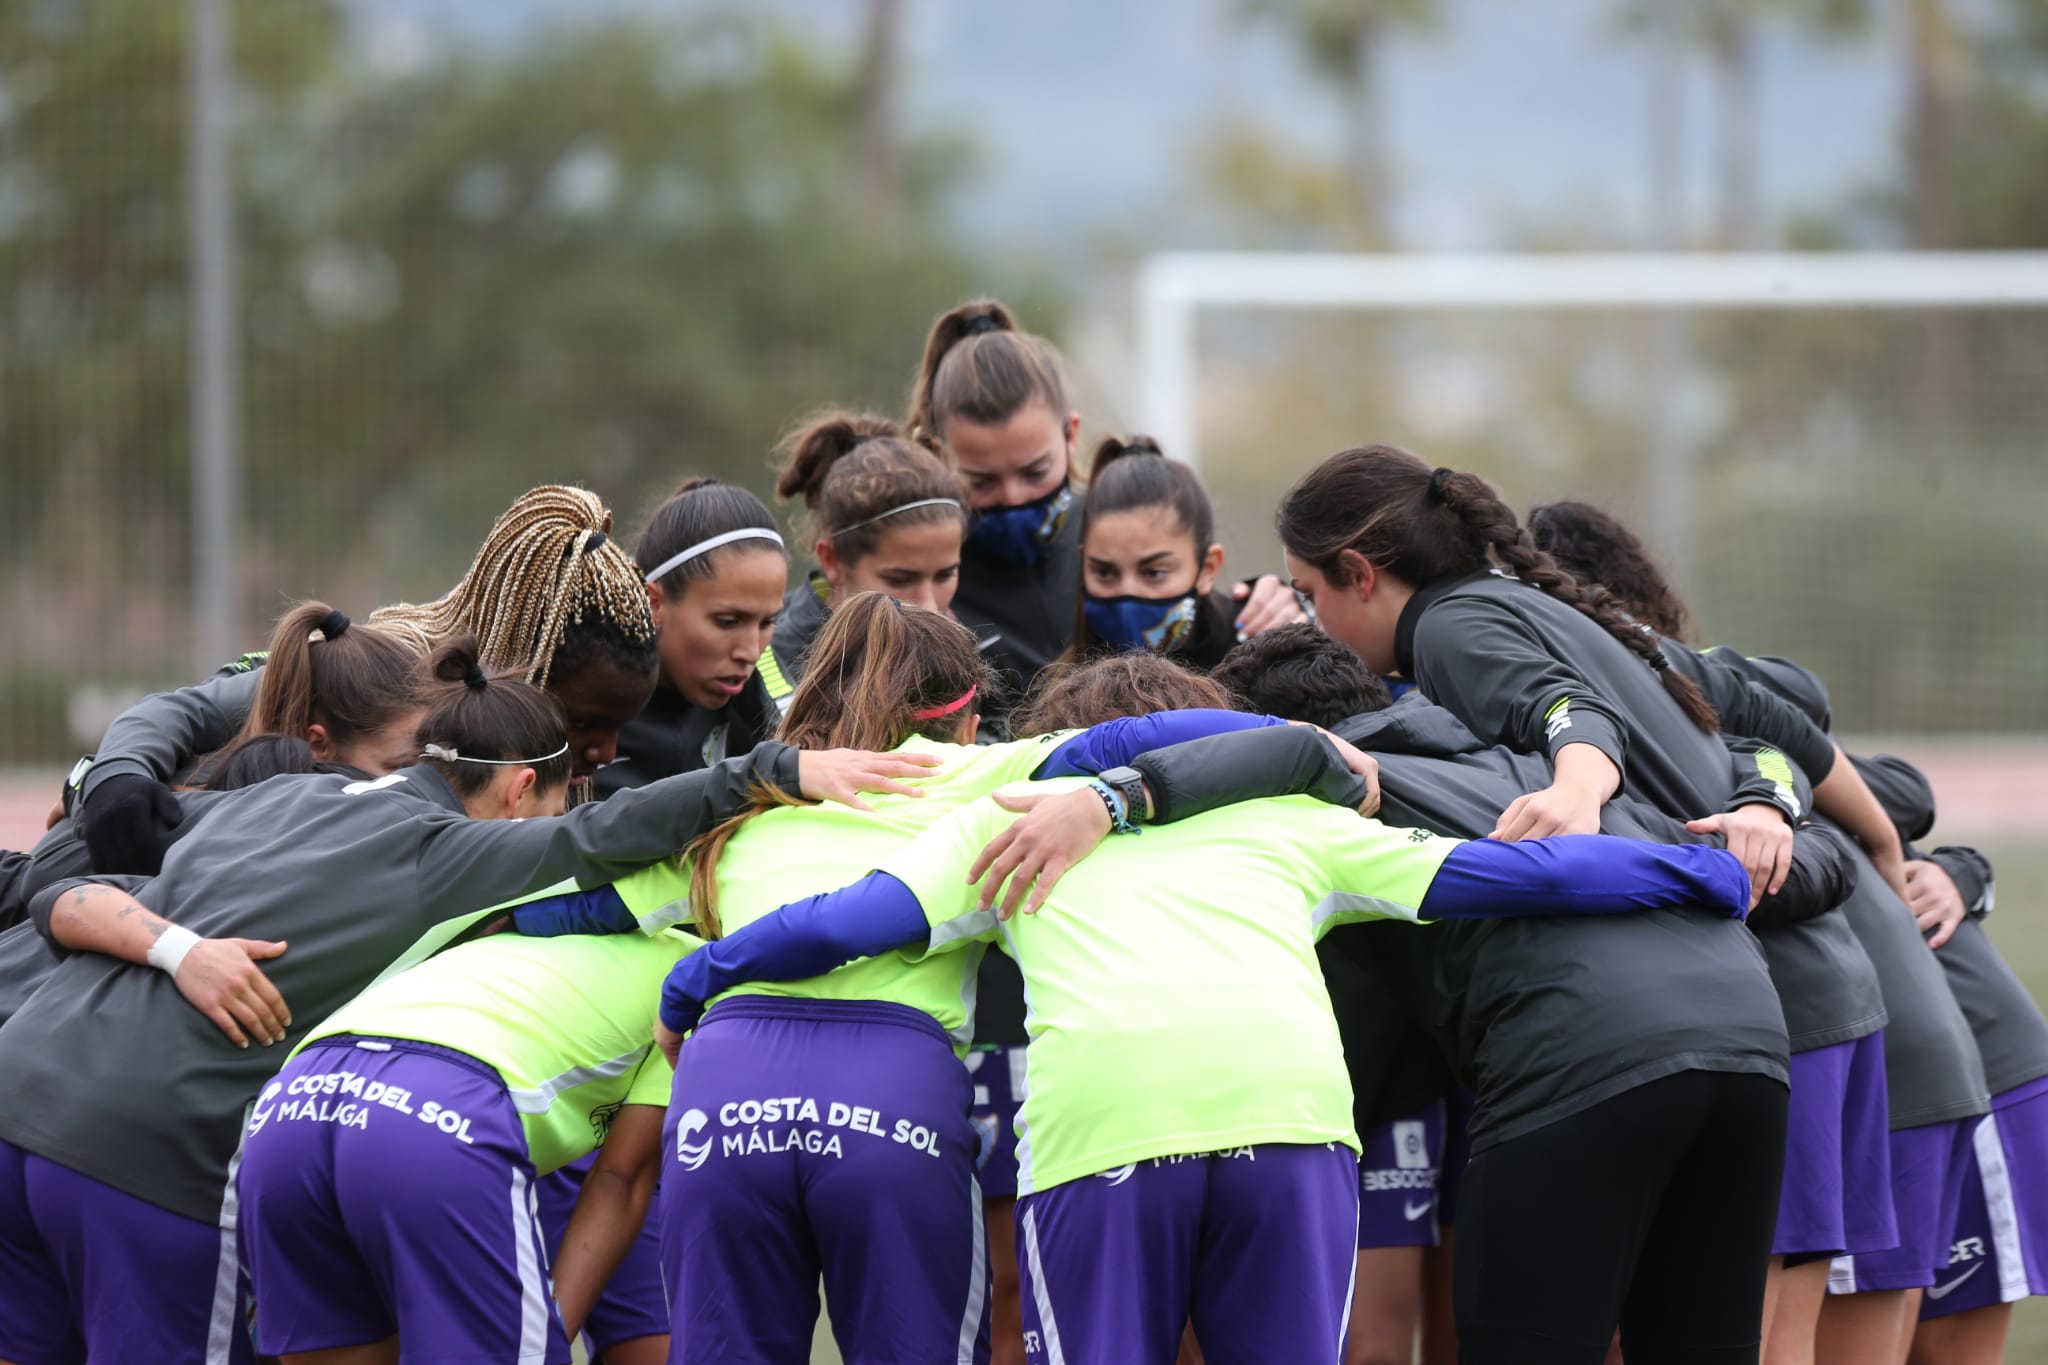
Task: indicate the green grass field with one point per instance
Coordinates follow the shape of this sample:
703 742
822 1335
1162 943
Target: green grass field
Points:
2020 927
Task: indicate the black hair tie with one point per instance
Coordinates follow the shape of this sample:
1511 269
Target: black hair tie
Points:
475 677
595 542
982 322
1436 484
334 625
1658 663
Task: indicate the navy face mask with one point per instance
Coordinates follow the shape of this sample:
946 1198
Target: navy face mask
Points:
1154 623
1018 535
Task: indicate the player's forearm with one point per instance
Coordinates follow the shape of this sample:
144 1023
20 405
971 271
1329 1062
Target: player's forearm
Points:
1846 799
1582 874
801 940
89 917
608 1217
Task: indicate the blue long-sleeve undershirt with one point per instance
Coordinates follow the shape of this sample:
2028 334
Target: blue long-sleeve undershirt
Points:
1571 874
1116 742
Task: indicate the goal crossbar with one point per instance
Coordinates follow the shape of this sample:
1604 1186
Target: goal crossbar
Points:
1173 287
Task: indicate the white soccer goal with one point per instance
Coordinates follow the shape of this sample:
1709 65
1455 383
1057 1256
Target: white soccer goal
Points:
1175 287
1843 455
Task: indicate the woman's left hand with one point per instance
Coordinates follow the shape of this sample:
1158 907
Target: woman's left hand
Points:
1034 852
669 1041
1761 837
1265 603
1936 904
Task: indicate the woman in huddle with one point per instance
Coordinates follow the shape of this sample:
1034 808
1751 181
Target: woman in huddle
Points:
889 517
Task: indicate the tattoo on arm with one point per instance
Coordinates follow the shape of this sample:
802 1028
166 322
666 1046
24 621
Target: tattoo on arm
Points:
156 930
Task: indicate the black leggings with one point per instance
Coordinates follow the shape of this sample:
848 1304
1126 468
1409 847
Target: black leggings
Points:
1654 1210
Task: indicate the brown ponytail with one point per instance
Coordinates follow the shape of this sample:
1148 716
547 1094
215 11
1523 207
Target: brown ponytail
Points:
980 367
1424 525
323 670
875 666
488 720
860 475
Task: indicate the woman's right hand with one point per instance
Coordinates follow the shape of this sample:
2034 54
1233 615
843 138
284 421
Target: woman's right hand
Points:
842 774
220 978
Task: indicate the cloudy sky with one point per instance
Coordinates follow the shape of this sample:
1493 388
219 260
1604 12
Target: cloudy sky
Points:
1521 114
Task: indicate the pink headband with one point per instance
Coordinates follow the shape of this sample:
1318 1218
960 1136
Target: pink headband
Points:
934 712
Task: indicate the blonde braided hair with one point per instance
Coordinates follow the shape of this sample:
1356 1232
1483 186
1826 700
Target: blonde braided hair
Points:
548 562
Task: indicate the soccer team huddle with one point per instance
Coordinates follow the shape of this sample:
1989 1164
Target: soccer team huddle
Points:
1042 944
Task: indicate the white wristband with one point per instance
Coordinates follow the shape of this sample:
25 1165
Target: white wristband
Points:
167 954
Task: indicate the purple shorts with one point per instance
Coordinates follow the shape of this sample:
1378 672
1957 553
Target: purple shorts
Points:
88 1272
1998 1249
998 1076
1836 1197
385 1188
1255 1245
829 1139
633 1303
1398 1180
1927 1189
1457 1155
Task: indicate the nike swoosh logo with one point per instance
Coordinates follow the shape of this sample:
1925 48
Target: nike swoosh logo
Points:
1942 1291
1411 1213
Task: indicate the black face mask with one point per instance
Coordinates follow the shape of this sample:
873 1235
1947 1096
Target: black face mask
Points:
1018 535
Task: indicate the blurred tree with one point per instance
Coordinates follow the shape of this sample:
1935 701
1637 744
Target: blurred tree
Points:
1725 33
881 52
1344 43
605 251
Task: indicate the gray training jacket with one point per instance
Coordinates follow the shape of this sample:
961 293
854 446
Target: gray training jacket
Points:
26 958
161 735
1550 1016
1521 668
1933 1071
109 1072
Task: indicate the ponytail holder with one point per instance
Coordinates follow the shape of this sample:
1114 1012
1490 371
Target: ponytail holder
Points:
595 542
934 712
1658 663
982 322
475 677
333 625
1436 484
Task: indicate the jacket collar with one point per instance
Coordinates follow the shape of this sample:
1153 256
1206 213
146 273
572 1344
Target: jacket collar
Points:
1422 601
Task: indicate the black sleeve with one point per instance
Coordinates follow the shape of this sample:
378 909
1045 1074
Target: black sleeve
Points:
14 892
1749 710
159 735
1822 876
44 902
466 864
1902 789
1971 872
1283 760
1764 775
1491 671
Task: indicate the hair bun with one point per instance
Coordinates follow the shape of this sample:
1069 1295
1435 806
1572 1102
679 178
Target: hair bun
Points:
474 678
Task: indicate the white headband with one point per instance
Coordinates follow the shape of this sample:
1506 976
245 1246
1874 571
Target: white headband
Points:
448 755
673 562
906 507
